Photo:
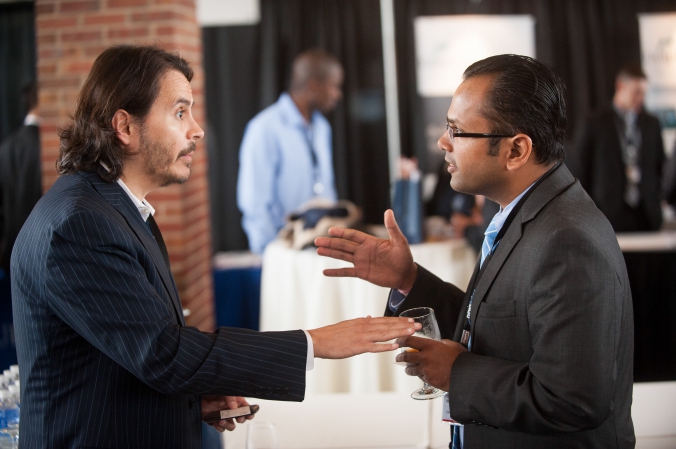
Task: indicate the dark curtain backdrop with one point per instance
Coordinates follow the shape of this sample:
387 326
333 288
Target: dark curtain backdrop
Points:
585 41
17 61
247 67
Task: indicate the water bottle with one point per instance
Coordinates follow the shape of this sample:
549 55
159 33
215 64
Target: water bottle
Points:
9 419
16 395
6 438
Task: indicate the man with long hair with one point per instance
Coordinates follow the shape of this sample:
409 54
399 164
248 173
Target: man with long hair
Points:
106 358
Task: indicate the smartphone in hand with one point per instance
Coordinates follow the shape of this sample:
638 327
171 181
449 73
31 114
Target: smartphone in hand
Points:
216 416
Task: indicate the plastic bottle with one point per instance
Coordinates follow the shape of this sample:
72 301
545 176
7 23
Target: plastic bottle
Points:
6 438
9 416
16 394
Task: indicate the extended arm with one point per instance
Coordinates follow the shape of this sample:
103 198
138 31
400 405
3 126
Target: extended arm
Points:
102 291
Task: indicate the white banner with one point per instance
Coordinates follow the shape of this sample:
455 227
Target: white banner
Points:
658 55
446 45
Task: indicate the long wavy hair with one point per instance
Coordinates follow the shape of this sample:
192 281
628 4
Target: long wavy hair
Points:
123 77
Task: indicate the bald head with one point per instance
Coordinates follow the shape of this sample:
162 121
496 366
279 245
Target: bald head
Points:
316 81
314 64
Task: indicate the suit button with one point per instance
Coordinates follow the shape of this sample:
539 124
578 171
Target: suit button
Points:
285 391
268 391
258 391
278 391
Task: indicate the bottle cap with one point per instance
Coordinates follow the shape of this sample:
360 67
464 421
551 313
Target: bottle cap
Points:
14 368
14 389
7 373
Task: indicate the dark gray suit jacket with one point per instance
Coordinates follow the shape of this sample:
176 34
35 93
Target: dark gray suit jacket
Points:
552 358
106 359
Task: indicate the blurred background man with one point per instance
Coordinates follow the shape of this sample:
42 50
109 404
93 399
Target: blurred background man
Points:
619 157
286 155
20 175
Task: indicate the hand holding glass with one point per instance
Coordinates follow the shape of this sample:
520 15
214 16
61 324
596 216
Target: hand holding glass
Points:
430 329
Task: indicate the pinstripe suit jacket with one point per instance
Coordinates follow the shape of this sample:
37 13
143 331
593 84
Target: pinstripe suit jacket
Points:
553 333
106 359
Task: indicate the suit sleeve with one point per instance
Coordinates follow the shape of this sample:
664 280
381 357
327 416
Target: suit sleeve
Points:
430 291
568 383
100 288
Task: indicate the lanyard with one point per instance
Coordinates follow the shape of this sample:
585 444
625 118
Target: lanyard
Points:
467 329
317 186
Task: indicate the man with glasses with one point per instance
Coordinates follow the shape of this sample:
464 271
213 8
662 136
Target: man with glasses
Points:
542 350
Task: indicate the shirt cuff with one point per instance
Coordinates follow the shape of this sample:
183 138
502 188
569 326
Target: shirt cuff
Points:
395 300
310 361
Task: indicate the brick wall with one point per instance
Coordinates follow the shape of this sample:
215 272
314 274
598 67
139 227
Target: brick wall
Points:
70 35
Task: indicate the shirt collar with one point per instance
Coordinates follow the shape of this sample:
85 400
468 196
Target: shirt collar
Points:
143 206
292 113
500 218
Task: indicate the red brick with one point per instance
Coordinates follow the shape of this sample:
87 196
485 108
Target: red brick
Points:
153 16
81 36
43 9
47 54
126 3
46 68
127 32
78 67
59 83
105 19
45 39
61 22
79 6
95 51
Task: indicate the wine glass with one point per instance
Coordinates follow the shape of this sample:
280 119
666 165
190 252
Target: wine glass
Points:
261 435
430 329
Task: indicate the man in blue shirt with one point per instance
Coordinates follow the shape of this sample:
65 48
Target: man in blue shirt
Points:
286 155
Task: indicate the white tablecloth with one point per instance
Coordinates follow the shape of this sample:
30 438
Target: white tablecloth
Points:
296 295
647 241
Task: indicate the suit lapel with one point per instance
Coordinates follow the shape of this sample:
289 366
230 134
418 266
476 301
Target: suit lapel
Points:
465 302
118 198
559 181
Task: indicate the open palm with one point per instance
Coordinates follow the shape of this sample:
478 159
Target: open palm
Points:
387 263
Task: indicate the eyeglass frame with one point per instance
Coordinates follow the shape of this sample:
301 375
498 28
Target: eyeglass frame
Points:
452 135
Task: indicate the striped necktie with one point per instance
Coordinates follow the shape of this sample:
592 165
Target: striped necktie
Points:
489 240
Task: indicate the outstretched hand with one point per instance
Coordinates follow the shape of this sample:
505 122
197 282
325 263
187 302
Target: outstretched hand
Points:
352 337
387 263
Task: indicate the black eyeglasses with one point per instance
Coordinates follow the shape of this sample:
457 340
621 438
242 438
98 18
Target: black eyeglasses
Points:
452 134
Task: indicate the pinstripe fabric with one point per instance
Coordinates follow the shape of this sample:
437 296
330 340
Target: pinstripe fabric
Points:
106 360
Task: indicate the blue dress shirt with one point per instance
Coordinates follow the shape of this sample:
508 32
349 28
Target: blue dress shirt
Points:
276 170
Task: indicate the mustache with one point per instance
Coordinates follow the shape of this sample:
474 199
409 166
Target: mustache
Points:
189 149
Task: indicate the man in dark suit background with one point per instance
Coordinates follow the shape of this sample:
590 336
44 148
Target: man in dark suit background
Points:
20 175
542 350
619 156
106 359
